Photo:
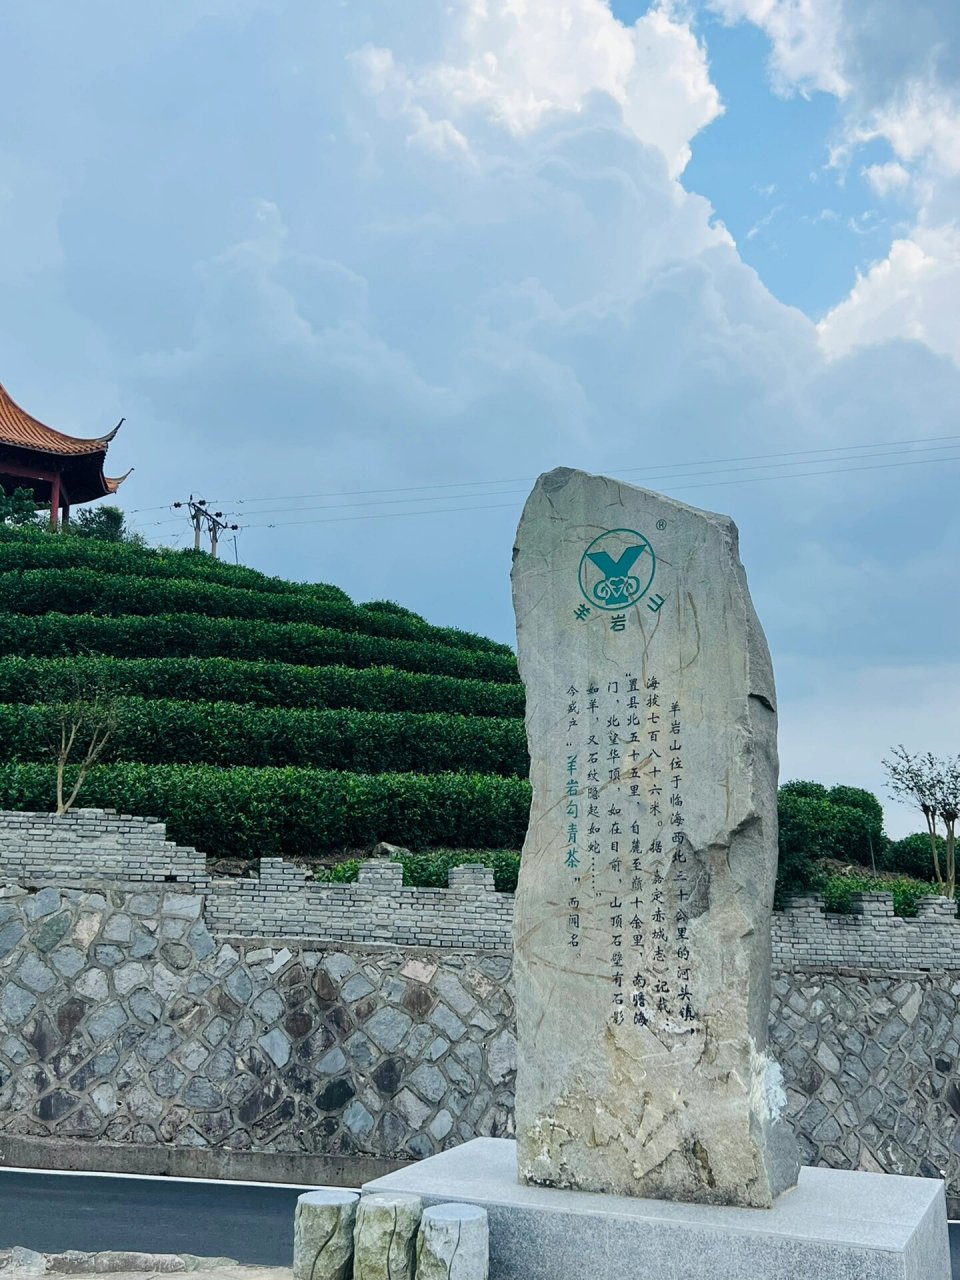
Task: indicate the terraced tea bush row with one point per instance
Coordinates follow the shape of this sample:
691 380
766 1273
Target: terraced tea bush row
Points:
163 731
30 549
267 684
190 635
294 812
74 591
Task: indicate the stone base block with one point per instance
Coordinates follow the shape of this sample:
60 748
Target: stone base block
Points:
833 1225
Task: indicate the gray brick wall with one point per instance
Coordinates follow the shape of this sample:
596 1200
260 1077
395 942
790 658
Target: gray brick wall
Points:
91 846
872 938
378 908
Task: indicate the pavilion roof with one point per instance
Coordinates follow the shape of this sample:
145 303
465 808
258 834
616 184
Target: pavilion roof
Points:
19 428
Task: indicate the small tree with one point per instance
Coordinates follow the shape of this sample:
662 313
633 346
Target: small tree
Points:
106 524
933 785
19 508
81 731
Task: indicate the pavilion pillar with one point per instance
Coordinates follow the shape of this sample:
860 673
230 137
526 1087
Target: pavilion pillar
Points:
55 501
66 515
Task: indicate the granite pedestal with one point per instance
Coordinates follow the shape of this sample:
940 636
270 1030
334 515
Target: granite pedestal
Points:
834 1225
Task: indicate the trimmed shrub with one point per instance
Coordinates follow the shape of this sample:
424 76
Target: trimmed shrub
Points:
801 824
290 812
866 803
191 635
801 790
267 684
391 606
430 870
813 825
913 856
163 731
71 591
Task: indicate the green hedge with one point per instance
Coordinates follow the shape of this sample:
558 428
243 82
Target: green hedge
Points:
163 731
73 591
190 635
293 812
430 870
268 684
37 549
907 892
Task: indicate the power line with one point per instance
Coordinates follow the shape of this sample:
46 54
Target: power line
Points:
656 475
669 466
495 506
465 484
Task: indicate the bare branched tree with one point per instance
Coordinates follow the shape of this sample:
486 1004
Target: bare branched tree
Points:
933 786
80 732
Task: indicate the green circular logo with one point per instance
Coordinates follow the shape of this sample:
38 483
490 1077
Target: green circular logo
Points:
617 569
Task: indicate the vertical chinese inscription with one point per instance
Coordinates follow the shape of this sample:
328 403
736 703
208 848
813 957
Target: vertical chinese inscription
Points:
628 806
642 921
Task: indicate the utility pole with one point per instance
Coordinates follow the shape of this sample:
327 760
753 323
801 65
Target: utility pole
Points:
201 518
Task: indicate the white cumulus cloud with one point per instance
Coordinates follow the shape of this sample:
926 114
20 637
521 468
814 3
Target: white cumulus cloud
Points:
522 61
912 293
887 178
805 36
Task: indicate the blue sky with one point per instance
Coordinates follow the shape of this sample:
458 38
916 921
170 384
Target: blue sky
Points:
354 250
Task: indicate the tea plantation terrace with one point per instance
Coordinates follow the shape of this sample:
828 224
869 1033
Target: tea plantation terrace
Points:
255 716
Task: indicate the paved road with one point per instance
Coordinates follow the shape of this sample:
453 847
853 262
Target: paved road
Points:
53 1212
254 1224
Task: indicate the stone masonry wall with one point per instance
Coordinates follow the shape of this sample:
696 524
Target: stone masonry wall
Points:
124 1020
158 1016
90 845
870 1068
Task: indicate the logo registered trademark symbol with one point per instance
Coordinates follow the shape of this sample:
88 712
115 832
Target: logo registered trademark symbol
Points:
661 524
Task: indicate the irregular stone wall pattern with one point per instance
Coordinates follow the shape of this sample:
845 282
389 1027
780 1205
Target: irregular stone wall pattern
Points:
870 1065
123 1018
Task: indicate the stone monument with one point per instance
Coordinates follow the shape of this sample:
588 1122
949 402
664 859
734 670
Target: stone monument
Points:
642 934
650 1138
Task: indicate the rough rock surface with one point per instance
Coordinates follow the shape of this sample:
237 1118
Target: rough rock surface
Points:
642 925
385 1237
453 1243
323 1235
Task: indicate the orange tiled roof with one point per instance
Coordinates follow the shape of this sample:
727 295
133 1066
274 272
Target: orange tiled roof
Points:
17 427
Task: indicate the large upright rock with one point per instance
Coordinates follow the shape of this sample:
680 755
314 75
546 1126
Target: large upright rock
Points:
642 926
